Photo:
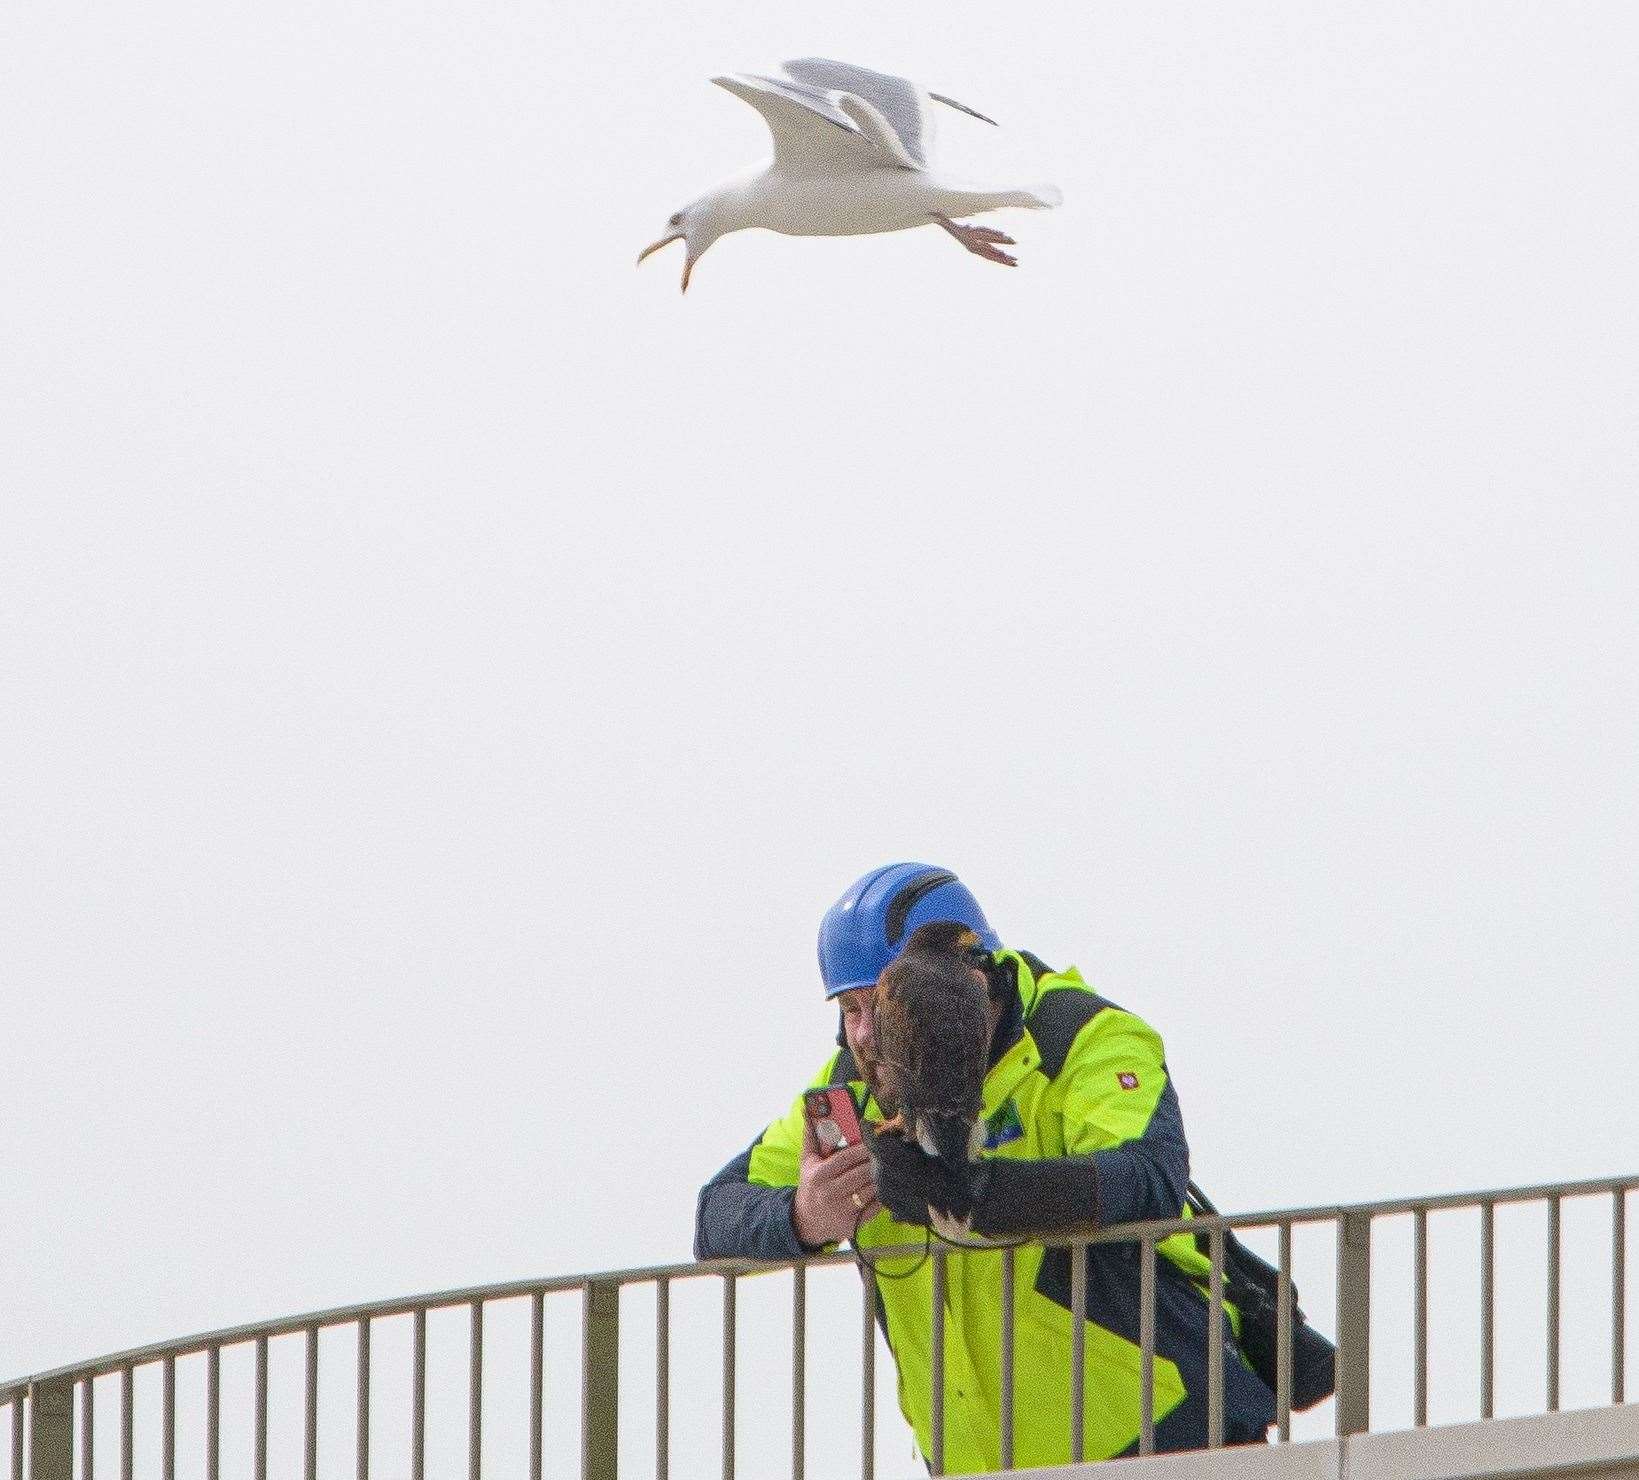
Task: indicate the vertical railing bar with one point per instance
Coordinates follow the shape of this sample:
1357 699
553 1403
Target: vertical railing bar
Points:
17 1435
1009 1275
475 1394
1619 1295
730 1290
167 1441
418 1398
1215 1342
663 1379
537 1381
1488 1234
1283 1337
1146 1346
867 1370
362 1395
51 1404
1553 1303
1354 1323
600 1380
937 1396
588 1340
1419 1318
88 1462
213 1412
310 1407
259 1437
799 1357
128 1382
1078 1352
51 1428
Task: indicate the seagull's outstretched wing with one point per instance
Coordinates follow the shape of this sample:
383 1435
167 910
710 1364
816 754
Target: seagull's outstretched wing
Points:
815 131
900 102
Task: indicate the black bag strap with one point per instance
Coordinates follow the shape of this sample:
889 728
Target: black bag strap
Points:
1235 1252
1200 1201
1247 1274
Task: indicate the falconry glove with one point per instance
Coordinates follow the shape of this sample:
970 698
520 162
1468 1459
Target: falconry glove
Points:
912 1185
1013 1198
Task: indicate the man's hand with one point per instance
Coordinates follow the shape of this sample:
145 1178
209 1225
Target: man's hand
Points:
909 1182
835 1193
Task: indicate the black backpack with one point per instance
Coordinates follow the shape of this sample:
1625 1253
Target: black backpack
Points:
1253 1284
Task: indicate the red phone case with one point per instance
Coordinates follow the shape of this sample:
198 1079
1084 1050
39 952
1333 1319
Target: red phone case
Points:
832 1114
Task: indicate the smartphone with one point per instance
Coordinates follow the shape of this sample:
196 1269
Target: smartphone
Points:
834 1117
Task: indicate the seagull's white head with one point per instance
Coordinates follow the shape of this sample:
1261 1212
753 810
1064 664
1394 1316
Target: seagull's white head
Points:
697 226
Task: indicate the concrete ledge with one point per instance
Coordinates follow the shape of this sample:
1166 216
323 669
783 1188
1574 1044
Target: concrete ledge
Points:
1314 1460
1605 1440
1591 1444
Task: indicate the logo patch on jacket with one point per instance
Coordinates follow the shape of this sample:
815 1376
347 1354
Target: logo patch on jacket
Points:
1127 1081
1003 1126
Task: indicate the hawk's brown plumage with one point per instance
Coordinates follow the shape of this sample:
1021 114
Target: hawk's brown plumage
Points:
932 1038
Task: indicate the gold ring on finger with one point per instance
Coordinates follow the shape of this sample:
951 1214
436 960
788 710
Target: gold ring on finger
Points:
858 1205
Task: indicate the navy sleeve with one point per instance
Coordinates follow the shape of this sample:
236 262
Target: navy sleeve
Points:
1148 1176
1121 1109
737 1219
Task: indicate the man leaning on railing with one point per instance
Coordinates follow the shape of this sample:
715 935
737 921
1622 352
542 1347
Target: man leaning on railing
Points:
1080 1129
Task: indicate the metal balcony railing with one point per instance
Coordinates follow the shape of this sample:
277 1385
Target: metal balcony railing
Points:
55 1417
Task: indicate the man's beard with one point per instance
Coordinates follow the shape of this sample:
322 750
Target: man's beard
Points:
881 1090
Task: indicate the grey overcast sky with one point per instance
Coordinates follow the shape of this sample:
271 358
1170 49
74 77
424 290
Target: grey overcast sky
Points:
447 673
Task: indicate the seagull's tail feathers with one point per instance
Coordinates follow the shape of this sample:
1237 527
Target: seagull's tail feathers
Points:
968 201
1030 198
1039 197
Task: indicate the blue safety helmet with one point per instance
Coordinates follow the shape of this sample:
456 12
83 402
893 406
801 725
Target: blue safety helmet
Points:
865 929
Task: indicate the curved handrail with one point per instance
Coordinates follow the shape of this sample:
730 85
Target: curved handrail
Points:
444 1299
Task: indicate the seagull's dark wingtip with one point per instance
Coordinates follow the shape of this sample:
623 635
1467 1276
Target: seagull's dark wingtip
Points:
963 108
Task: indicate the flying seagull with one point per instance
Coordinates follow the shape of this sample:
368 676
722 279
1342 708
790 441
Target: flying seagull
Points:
851 157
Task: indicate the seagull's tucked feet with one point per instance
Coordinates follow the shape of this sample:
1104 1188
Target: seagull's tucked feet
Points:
982 241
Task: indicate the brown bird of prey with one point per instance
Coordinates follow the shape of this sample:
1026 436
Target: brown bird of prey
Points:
932 1022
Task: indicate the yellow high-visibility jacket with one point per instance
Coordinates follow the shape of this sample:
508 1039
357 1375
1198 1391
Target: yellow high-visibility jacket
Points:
1079 1078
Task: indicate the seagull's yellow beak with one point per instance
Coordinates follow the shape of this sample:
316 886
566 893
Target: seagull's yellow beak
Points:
675 236
667 240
